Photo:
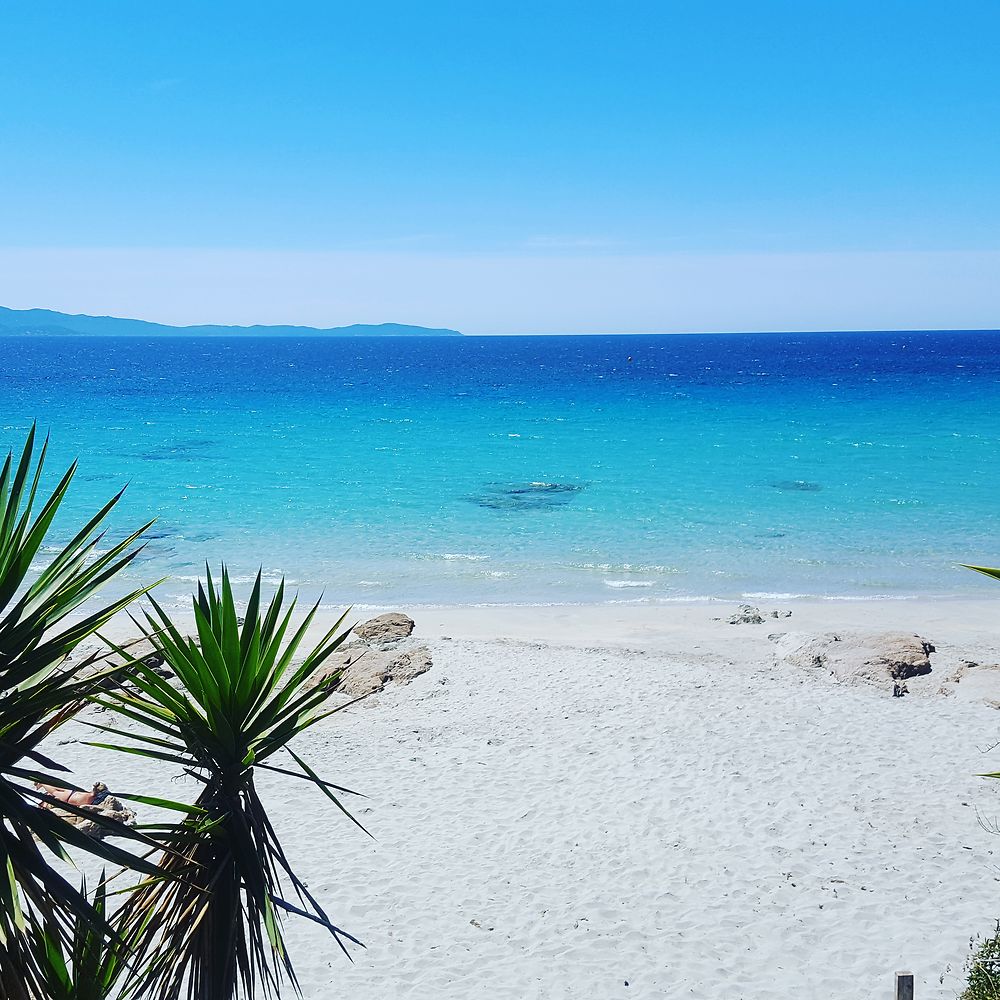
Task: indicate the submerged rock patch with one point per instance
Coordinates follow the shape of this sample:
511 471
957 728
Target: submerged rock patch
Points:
797 486
526 496
180 451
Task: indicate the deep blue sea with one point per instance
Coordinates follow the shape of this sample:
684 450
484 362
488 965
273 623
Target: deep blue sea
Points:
534 469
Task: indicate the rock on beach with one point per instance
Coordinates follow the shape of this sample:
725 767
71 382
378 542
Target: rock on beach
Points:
856 657
386 628
368 665
110 808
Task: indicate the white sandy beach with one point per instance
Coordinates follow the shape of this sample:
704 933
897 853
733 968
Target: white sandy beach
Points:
637 801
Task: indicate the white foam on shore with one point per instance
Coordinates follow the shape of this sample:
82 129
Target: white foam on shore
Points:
607 567
768 596
871 597
271 579
626 584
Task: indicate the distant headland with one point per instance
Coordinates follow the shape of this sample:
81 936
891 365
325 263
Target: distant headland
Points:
46 322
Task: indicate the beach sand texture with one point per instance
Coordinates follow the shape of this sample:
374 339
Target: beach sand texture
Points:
647 805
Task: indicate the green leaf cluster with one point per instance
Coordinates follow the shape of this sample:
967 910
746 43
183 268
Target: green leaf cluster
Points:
204 919
983 969
38 694
214 919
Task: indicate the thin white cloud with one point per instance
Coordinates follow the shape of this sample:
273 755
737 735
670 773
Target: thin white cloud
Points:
528 293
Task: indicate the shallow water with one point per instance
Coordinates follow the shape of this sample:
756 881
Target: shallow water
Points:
535 469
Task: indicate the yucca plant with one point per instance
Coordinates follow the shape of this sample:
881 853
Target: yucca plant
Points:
38 693
214 919
92 966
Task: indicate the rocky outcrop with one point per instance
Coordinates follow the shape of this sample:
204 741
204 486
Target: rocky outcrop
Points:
380 656
973 681
903 656
525 497
110 808
854 657
136 649
98 658
386 628
749 615
364 670
374 669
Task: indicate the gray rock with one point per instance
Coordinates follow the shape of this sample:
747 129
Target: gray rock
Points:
386 628
338 662
410 664
364 670
109 809
97 658
857 657
136 649
904 656
974 681
747 615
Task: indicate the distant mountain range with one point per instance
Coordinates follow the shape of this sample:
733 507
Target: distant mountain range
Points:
45 322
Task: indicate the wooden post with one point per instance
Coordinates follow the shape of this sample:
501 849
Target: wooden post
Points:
904 986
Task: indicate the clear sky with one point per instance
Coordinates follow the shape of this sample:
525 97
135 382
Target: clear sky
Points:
505 167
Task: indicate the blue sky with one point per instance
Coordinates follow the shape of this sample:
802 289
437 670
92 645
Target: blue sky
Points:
371 146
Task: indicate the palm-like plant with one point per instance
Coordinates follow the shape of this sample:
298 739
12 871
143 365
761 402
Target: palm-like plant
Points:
213 920
93 966
38 693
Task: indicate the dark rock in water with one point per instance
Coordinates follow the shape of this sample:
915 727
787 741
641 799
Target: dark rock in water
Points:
797 486
527 496
536 489
501 503
178 452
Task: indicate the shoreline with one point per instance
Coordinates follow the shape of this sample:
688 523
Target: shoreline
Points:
959 622
635 623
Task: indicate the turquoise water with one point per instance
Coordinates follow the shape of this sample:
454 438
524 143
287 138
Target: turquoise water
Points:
531 469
